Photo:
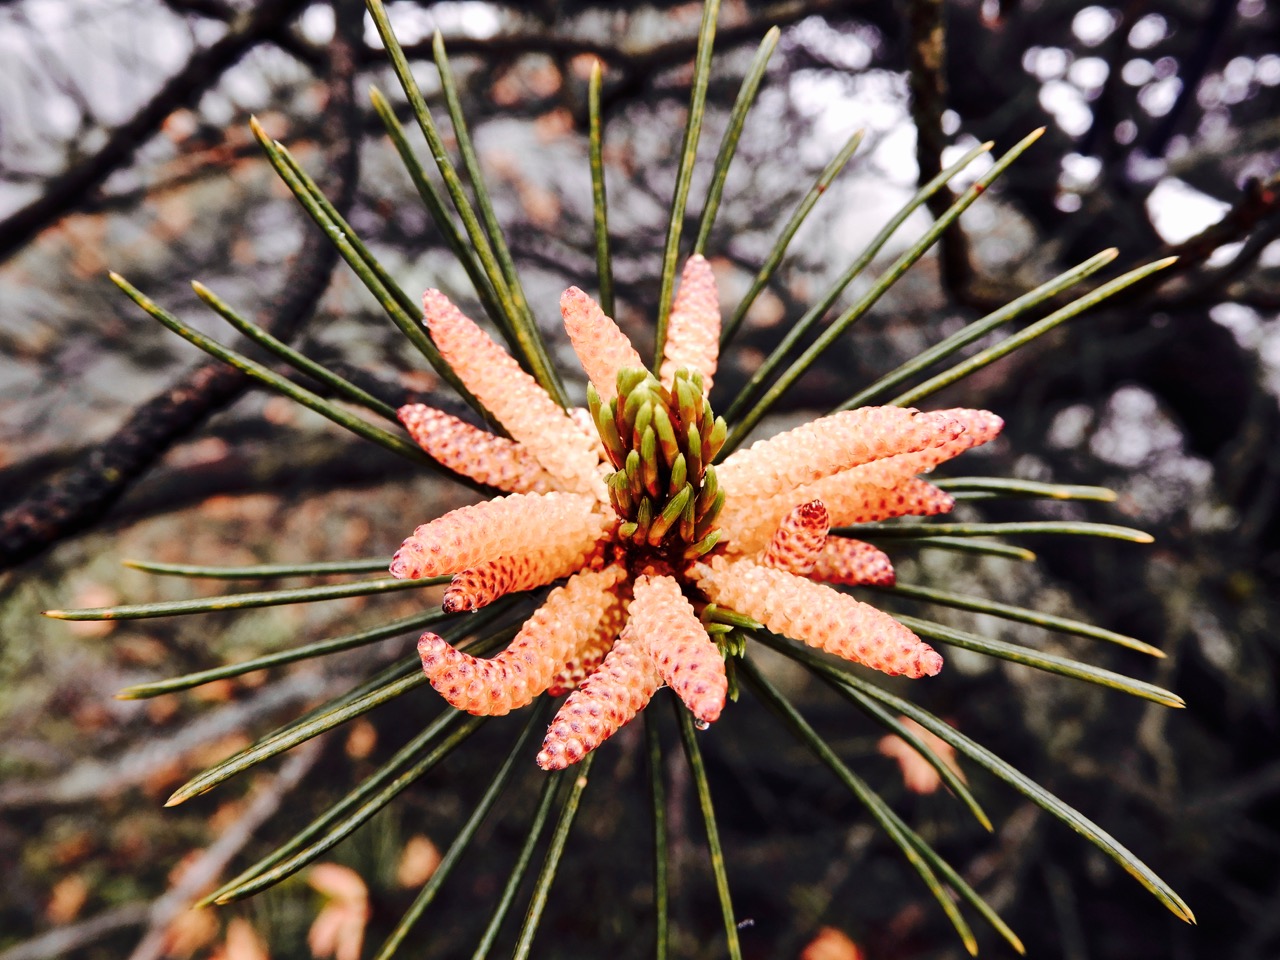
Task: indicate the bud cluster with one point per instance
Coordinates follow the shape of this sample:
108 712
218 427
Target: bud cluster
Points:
661 443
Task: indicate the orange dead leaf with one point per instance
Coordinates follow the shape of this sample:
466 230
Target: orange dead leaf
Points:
917 773
361 739
242 942
418 862
67 899
338 929
831 944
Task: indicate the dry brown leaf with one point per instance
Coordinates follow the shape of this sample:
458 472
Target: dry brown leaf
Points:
361 739
67 899
243 942
189 931
917 773
161 710
93 595
418 862
73 849
831 944
207 754
338 929
215 690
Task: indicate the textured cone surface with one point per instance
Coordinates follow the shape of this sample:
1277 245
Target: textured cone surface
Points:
847 561
600 345
831 444
799 538
570 617
470 451
980 426
593 639
848 500
606 700
479 586
818 616
563 526
667 630
526 410
581 418
693 328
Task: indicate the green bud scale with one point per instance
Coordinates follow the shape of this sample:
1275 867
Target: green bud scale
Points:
661 442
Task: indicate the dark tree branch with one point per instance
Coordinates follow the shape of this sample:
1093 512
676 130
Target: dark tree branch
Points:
75 500
64 193
1258 202
926 61
1192 72
630 69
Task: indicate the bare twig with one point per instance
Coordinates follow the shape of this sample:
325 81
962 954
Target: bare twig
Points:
927 61
93 779
63 940
201 874
196 878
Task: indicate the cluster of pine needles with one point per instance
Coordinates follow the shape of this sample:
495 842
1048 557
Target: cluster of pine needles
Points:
475 238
